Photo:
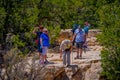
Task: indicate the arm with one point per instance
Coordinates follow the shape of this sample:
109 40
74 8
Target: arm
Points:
34 31
73 37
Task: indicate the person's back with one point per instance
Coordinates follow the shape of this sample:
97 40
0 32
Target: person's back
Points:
45 39
79 35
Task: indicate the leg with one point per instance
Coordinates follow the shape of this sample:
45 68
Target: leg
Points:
39 50
77 46
81 53
81 48
39 55
45 55
68 57
64 57
78 52
42 59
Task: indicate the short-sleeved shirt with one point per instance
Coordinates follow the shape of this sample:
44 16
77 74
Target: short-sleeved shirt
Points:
65 44
86 29
45 39
79 35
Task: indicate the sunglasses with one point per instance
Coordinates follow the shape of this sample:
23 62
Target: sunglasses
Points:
40 28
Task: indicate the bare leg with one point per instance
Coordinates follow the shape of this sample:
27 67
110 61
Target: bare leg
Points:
77 51
39 55
81 53
45 57
42 59
77 54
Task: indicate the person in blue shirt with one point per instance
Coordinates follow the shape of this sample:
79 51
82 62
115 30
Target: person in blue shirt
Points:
44 41
79 37
86 28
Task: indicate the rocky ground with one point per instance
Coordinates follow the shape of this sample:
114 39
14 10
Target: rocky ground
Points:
87 68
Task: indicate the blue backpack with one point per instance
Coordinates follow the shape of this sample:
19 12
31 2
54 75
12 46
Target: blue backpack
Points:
75 26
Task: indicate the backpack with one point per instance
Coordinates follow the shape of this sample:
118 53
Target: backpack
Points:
75 26
37 37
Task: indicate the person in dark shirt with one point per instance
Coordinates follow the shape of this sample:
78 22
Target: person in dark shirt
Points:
38 31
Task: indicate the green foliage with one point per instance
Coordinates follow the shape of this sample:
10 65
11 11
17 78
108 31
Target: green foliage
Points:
17 42
20 16
110 39
67 12
54 32
2 18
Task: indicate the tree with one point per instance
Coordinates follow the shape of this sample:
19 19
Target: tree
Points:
21 16
2 19
109 14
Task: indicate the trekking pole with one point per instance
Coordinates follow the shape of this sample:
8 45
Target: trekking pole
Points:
72 57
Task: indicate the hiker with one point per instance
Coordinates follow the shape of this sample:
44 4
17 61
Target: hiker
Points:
86 28
79 37
65 50
44 40
75 26
38 31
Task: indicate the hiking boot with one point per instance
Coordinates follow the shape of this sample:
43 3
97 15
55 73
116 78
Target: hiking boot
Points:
80 57
68 65
46 62
64 65
77 57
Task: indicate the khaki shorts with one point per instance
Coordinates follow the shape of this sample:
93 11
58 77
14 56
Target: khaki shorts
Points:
44 50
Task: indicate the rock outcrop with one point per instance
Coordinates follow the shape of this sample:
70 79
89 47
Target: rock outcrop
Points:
87 68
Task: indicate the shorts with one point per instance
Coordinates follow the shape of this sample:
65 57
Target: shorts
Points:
79 45
44 50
